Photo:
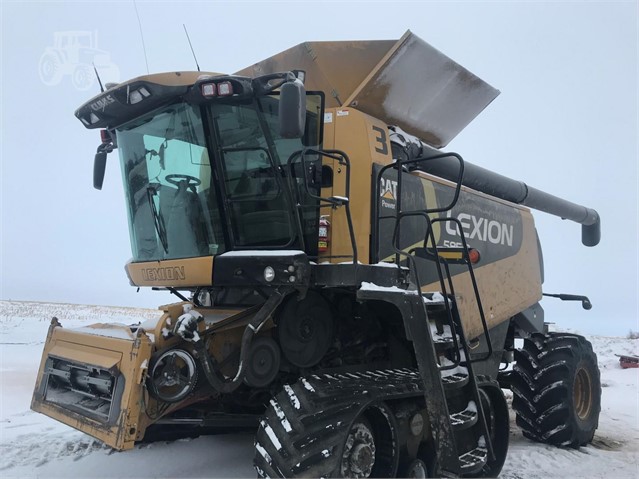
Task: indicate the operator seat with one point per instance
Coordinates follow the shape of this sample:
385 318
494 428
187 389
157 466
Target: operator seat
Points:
183 226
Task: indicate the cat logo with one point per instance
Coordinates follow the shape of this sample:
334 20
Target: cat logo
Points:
388 192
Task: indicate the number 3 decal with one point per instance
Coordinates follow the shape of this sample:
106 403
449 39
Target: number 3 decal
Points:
381 139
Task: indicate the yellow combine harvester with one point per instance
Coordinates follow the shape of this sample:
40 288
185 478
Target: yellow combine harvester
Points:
347 289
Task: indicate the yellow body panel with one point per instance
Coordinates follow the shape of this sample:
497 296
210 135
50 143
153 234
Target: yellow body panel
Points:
507 286
129 357
115 348
172 273
358 135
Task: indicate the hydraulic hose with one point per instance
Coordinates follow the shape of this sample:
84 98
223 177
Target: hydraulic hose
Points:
215 379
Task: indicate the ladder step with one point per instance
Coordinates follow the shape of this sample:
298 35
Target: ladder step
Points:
446 336
443 341
455 381
466 418
471 462
433 298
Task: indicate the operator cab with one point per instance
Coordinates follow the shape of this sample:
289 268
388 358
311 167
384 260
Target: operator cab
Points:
209 171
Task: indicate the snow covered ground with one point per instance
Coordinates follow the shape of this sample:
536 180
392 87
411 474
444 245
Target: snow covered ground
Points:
32 445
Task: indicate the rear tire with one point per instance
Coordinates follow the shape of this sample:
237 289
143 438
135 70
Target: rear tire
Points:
556 389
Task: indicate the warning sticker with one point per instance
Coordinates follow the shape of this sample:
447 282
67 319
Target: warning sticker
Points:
342 112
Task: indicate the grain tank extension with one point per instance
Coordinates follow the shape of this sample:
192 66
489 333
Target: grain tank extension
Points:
346 288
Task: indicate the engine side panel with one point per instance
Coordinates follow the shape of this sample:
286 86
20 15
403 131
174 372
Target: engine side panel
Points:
509 271
365 140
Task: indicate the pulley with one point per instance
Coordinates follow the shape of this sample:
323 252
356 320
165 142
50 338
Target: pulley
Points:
263 362
173 375
305 330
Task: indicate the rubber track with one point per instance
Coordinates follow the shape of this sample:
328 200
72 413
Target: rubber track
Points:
542 387
306 424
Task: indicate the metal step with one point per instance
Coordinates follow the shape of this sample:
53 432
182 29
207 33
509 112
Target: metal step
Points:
472 461
454 381
464 419
434 299
443 341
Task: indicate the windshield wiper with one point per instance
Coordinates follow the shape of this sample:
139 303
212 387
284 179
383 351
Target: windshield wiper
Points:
157 219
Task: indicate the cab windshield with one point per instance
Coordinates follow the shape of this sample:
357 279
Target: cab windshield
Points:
174 186
173 212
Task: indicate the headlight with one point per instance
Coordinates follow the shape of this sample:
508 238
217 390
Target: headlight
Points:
269 274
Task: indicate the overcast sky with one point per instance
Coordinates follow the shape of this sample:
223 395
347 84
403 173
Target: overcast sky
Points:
566 122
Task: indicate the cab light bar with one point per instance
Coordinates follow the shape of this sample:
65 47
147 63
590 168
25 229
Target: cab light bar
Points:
209 89
136 96
224 88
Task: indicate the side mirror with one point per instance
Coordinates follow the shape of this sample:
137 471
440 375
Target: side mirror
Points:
99 167
292 109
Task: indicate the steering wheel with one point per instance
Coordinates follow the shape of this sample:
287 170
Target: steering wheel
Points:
191 181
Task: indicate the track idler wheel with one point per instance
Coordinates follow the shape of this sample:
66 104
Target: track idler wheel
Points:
417 469
556 389
305 330
358 457
495 410
370 446
172 375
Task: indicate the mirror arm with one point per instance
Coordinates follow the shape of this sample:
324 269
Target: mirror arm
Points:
272 81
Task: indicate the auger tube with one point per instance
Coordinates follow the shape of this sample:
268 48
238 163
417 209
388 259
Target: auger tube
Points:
518 192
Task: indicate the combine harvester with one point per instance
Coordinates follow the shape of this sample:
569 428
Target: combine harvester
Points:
346 288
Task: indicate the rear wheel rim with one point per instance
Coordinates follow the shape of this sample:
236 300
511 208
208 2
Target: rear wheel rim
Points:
582 394
417 469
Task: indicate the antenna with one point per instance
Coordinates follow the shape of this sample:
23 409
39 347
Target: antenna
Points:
142 36
192 51
98 77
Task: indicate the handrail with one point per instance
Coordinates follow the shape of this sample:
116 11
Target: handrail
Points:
400 164
333 202
430 236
